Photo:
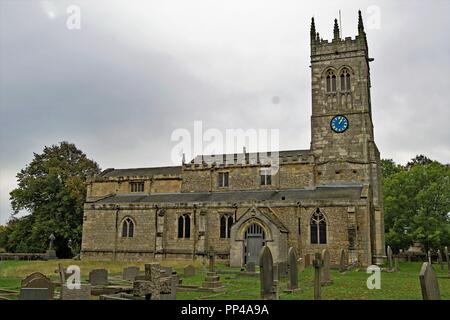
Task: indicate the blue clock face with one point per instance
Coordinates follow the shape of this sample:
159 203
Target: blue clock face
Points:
339 124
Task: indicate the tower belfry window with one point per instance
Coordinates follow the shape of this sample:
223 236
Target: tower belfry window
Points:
345 80
331 82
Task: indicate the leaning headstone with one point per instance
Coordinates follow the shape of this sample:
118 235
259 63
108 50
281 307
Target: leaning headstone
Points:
81 293
441 263
38 280
326 276
429 283
189 271
293 270
390 258
98 277
343 261
250 267
268 290
34 294
317 263
130 273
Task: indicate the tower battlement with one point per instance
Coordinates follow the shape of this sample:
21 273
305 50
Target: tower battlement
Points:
323 47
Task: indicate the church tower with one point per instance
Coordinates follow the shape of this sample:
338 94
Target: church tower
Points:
342 136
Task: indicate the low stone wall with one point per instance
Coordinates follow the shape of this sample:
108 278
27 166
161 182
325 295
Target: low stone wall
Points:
23 256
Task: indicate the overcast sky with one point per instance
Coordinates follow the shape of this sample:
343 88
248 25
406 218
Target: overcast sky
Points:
137 70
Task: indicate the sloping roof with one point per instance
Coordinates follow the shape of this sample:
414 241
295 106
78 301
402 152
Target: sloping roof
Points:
223 157
320 193
141 172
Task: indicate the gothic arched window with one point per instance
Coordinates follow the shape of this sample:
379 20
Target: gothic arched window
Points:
331 82
345 80
226 221
318 227
184 226
127 228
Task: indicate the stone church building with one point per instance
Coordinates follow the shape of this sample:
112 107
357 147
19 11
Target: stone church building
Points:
326 197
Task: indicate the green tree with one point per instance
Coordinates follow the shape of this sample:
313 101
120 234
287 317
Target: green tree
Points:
389 168
417 204
52 189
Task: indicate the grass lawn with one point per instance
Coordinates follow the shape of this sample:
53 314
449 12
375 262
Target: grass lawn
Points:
351 285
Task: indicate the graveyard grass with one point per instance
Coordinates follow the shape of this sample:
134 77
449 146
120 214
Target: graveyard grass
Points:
403 285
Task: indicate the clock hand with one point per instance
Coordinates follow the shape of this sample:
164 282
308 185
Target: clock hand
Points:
340 120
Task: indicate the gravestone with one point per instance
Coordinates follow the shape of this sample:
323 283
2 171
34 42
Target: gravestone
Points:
38 280
301 264
343 261
189 271
268 287
34 294
429 283
441 263
81 293
62 274
212 280
447 257
307 260
326 276
150 288
396 265
429 257
250 267
390 260
98 277
293 270
130 273
166 271
50 254
317 263
276 272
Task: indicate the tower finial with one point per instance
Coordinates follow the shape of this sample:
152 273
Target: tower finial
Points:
313 30
336 30
360 23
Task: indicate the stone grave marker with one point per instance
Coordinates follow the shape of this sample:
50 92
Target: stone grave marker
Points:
34 294
447 257
130 273
396 264
250 267
98 277
38 280
326 275
317 263
441 263
51 253
307 260
390 260
189 271
429 257
429 283
301 264
343 261
166 271
276 272
81 293
293 270
151 287
212 280
268 289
